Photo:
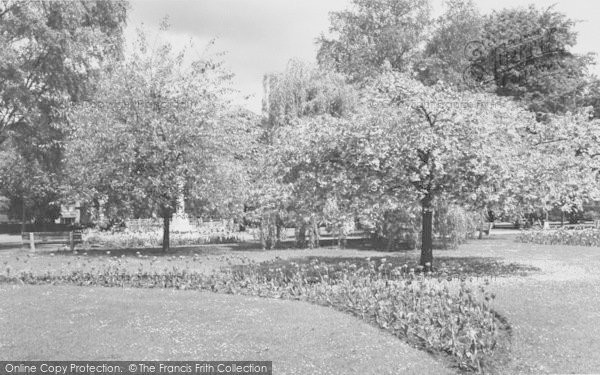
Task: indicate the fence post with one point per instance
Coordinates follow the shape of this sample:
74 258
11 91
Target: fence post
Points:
71 241
31 241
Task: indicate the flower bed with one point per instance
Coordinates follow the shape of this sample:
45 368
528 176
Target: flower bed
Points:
577 237
440 314
130 239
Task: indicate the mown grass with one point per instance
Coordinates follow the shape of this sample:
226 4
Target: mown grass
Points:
430 311
83 323
553 321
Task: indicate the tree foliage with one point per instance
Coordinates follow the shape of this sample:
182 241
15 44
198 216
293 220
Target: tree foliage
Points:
423 143
301 92
526 54
373 34
444 53
28 186
304 90
437 148
50 54
563 171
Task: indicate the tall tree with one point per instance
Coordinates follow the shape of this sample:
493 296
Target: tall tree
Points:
302 91
444 54
564 163
50 54
372 34
156 130
29 187
526 53
304 162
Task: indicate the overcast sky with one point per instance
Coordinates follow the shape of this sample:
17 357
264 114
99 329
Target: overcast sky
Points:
260 36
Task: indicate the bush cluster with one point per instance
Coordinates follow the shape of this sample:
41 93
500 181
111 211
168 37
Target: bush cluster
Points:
436 313
455 224
130 239
577 237
401 228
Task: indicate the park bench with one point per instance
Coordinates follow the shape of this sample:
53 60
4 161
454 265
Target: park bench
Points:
60 238
504 225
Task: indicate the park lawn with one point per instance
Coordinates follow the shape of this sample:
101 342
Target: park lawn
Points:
554 313
548 293
554 325
207 258
84 323
204 258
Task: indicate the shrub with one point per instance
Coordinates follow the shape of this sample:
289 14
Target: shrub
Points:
401 228
129 239
454 224
397 229
578 237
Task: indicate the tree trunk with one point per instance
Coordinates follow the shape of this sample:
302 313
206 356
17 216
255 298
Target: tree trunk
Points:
342 236
300 234
23 215
390 241
263 242
278 229
313 233
426 235
166 230
271 231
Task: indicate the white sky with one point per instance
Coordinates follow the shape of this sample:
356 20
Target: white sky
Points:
260 36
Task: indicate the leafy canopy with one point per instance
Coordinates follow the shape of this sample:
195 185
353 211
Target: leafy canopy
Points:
51 52
373 34
158 128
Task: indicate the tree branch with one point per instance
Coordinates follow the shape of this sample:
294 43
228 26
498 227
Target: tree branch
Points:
550 141
430 120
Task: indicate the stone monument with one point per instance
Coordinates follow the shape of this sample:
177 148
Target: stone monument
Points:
181 221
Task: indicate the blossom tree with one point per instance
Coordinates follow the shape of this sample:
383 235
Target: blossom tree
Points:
157 129
438 142
565 154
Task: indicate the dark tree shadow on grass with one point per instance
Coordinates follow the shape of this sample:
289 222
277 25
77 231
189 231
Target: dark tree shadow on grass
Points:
210 249
455 267
365 244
